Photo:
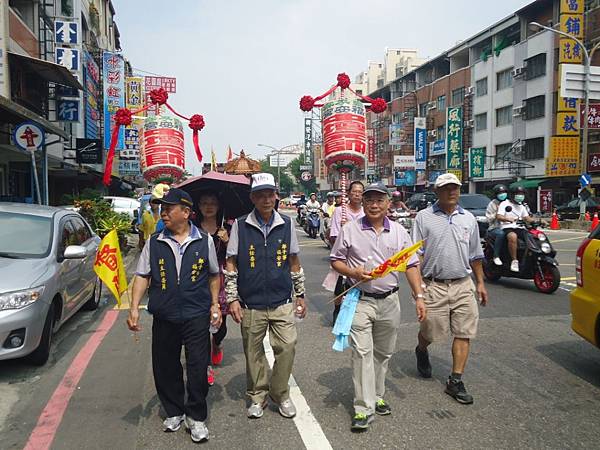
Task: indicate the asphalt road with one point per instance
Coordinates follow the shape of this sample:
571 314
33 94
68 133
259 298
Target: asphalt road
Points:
536 384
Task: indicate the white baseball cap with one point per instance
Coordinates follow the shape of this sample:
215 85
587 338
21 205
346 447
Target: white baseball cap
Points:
262 181
447 178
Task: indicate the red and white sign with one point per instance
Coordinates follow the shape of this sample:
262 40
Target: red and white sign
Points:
162 153
344 133
28 136
169 84
593 115
545 200
306 176
593 162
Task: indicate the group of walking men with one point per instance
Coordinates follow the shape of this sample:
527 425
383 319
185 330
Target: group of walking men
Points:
263 283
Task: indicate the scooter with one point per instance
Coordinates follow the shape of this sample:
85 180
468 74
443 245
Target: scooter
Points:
536 259
312 223
301 216
403 217
326 230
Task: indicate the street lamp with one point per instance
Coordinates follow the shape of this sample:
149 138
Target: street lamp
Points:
277 151
534 26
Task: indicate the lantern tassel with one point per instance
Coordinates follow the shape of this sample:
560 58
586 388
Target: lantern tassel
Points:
197 145
111 155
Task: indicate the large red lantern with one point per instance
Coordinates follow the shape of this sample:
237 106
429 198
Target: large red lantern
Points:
162 155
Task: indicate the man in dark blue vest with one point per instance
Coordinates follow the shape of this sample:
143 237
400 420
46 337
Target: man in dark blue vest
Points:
264 283
179 268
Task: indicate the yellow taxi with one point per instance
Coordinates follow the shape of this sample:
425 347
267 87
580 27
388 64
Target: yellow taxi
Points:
585 299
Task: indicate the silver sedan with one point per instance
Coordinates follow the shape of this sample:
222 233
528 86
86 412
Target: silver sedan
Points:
46 275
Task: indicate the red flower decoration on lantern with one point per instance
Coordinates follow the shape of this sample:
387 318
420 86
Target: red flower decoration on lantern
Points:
123 117
307 103
378 105
343 80
196 122
159 96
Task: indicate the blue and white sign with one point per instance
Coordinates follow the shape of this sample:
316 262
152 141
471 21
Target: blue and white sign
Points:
405 177
434 174
585 179
437 148
66 32
67 57
29 136
67 110
420 142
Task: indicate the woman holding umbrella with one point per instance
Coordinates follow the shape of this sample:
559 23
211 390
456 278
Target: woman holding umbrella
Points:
209 220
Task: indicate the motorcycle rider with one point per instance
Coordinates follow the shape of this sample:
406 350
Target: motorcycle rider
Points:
328 204
299 206
397 202
508 219
313 203
500 194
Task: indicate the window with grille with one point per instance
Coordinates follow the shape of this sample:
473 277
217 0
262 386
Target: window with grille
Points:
441 103
504 79
423 110
441 132
504 116
481 87
535 107
502 151
536 66
458 95
534 148
481 122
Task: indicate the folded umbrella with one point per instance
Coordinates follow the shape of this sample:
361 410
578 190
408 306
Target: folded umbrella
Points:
341 329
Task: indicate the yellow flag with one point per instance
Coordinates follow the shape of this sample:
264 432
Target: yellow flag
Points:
396 263
213 160
109 265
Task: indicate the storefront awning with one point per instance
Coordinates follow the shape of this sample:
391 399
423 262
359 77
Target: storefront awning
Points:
49 71
527 184
14 113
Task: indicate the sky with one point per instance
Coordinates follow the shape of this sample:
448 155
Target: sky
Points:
244 65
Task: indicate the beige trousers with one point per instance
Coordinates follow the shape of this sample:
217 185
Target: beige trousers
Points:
282 335
373 339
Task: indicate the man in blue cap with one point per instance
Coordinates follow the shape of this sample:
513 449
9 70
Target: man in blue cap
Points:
179 268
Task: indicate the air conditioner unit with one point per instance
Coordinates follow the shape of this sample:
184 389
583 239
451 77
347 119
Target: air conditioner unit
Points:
469 91
469 123
518 71
431 105
518 111
432 133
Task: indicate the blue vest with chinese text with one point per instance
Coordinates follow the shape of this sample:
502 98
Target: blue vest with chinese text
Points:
264 279
177 300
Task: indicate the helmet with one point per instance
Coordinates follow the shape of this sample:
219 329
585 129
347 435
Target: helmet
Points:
500 188
337 194
330 194
518 190
396 195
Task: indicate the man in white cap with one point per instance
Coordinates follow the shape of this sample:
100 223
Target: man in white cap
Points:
451 253
264 284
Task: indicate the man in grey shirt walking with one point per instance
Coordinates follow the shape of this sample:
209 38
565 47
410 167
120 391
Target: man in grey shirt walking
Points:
451 252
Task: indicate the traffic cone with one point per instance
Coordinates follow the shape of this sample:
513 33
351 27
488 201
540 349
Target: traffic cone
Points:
595 221
554 225
587 216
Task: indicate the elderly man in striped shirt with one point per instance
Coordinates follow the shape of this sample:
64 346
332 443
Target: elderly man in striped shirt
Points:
452 252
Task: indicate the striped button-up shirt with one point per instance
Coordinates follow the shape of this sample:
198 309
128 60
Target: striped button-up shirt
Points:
451 242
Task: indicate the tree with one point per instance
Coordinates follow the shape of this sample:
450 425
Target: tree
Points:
286 183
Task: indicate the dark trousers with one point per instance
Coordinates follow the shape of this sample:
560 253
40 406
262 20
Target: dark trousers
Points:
221 332
167 339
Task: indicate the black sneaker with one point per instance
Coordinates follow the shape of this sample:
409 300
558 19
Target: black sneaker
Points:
456 389
423 364
382 408
360 422
336 311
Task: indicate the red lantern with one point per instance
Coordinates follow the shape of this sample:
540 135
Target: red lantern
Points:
162 155
344 134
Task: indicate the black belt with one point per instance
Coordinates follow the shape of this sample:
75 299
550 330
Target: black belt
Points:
379 295
444 280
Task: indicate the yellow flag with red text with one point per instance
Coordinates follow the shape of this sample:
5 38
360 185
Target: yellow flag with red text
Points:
396 263
109 265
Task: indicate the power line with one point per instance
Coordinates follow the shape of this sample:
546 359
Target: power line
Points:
137 69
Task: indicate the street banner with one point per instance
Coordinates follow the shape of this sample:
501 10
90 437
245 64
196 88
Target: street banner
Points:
113 69
109 265
404 177
420 143
454 151
593 116
308 141
545 200
404 162
169 84
91 95
563 157
476 162
371 146
397 134
134 93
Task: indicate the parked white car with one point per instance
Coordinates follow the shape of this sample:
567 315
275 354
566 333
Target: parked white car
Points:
126 205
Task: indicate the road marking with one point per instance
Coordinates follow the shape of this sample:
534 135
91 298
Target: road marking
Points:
568 278
43 434
310 431
568 239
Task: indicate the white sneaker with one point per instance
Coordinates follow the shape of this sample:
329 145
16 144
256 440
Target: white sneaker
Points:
256 410
514 266
173 423
497 261
197 429
287 409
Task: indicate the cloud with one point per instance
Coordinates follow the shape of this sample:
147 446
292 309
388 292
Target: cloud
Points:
245 64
